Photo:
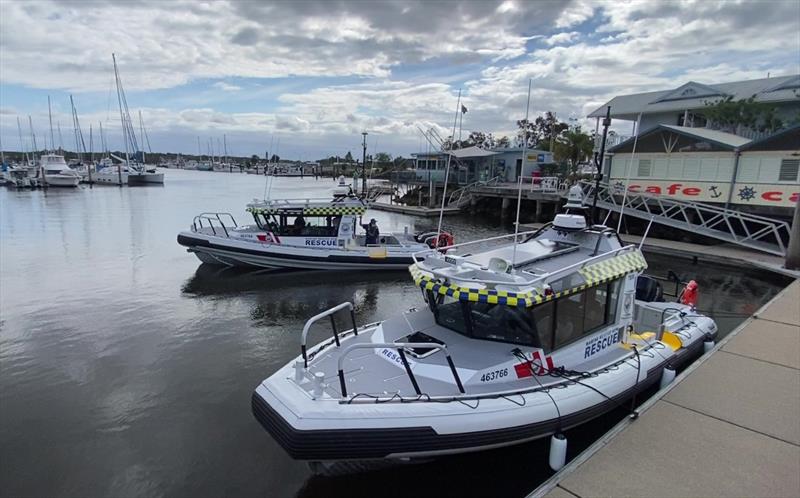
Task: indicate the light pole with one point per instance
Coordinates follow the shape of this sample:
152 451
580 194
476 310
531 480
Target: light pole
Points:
364 165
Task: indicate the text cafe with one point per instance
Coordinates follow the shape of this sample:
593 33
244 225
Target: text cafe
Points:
711 166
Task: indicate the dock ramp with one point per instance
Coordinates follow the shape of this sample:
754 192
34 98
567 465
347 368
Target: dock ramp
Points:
729 225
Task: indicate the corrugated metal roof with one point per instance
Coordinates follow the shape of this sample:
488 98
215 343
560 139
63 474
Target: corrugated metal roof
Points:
471 152
715 135
779 89
727 140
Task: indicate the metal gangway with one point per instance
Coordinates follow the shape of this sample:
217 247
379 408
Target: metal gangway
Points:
729 225
462 196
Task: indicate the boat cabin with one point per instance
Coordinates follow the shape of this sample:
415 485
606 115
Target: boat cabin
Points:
315 223
567 292
53 164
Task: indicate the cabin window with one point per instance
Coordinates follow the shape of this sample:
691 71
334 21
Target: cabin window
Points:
789 170
449 312
579 314
497 322
569 319
543 318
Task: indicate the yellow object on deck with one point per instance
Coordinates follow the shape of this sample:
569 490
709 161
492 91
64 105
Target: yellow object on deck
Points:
643 338
672 340
377 252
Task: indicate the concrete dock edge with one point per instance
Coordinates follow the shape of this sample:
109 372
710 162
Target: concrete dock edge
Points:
551 486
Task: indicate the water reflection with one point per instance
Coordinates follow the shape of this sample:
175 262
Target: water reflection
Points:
126 366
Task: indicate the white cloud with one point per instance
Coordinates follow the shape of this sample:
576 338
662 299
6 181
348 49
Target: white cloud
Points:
226 87
633 46
562 38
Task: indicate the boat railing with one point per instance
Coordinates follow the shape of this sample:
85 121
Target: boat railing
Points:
211 218
400 347
519 283
329 313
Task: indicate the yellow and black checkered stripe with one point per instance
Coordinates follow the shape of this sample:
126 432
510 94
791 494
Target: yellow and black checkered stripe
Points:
490 296
613 268
334 210
315 211
594 275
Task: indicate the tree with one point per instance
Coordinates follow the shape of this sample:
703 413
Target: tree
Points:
275 158
733 115
383 157
503 142
541 132
349 157
573 147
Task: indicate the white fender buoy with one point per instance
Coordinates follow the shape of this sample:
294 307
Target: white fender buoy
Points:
558 451
318 378
667 376
298 371
708 345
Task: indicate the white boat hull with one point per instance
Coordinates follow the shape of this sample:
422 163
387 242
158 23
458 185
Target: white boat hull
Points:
62 180
222 250
417 428
110 178
145 179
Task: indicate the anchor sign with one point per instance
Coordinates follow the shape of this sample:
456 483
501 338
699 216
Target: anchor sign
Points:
714 192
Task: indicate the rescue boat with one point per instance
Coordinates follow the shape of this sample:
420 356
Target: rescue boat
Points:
319 234
520 337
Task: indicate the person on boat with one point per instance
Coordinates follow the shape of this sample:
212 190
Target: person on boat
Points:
372 232
299 225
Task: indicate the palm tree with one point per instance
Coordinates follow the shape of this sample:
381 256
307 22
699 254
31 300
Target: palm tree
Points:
573 146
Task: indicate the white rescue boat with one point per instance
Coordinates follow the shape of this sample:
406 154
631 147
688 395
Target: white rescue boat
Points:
521 337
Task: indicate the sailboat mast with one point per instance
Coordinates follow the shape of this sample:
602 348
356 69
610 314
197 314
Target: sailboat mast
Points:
141 135
122 121
50 115
225 144
33 137
21 143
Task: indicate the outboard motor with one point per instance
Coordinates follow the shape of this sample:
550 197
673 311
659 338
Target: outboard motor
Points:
648 289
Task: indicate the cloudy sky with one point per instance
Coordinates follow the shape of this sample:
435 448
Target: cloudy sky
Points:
313 75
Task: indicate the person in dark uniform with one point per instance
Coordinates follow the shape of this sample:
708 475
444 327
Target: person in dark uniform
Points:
373 234
299 225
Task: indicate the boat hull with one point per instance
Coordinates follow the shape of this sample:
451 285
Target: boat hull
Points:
328 431
145 179
221 251
62 180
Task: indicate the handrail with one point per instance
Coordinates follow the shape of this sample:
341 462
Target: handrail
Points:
210 217
399 346
730 225
466 189
539 278
329 312
465 244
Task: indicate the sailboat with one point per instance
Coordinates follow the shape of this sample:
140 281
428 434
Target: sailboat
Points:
137 174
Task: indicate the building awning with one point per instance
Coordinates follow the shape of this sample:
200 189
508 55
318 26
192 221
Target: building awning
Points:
673 138
473 151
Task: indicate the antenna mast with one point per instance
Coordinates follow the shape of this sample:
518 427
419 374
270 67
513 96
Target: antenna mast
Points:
521 172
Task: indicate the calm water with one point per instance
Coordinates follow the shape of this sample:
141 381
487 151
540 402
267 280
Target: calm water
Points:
126 367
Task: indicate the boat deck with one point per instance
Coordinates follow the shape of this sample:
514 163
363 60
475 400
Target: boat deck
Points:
729 425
